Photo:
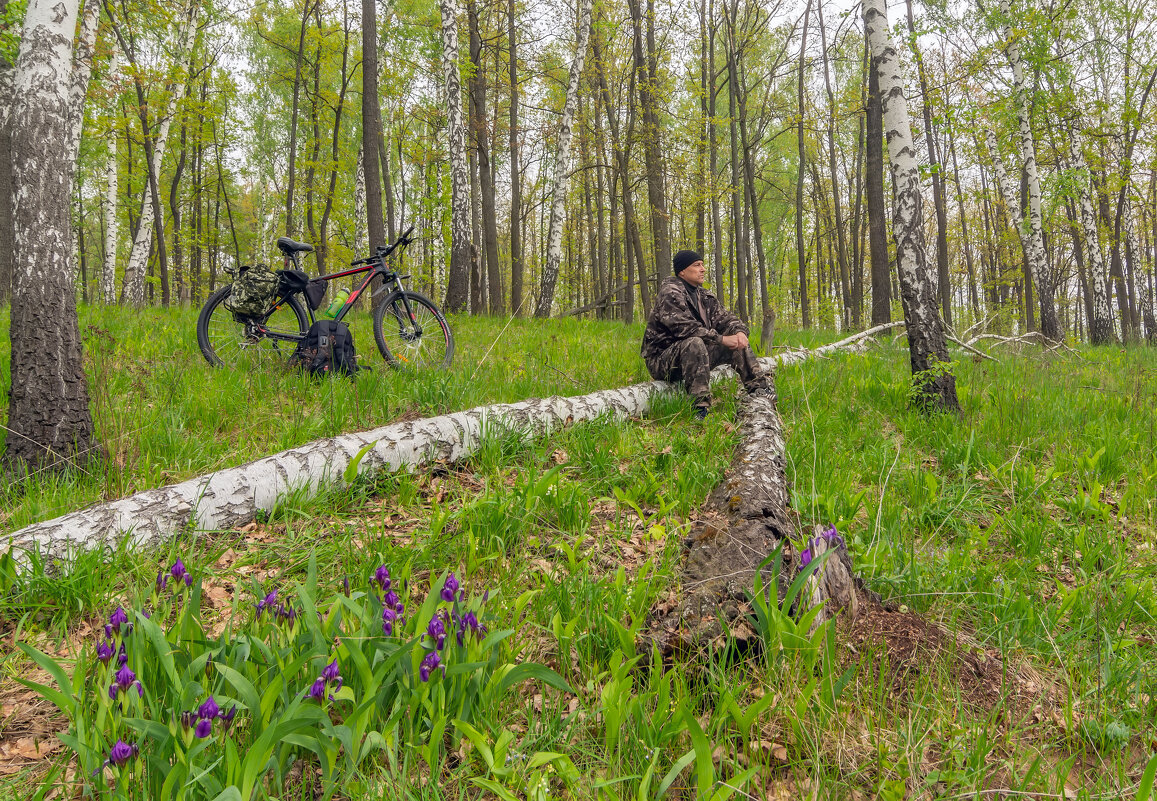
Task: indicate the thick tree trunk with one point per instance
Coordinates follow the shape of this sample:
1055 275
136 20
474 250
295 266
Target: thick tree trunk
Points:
233 497
7 188
934 383
516 267
458 283
49 424
372 126
562 158
874 190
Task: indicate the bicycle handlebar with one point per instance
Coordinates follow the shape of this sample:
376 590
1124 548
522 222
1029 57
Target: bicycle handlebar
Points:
402 241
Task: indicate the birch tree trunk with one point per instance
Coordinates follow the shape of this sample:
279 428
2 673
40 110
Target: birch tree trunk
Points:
7 188
1137 268
133 287
232 497
881 269
81 73
562 158
934 383
1101 328
371 129
49 424
109 206
1035 252
458 283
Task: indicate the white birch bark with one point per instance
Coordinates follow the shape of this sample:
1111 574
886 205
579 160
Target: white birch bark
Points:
48 415
562 159
1101 328
927 346
81 73
1033 243
134 279
1138 269
109 205
361 237
457 289
233 497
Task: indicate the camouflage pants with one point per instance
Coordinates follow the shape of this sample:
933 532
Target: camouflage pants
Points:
692 360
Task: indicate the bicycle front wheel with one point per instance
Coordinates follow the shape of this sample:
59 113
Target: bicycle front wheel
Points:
417 337
234 340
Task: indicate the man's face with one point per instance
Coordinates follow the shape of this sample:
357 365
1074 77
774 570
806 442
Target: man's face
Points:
694 273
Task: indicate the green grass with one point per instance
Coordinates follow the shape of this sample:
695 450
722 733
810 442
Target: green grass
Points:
1027 526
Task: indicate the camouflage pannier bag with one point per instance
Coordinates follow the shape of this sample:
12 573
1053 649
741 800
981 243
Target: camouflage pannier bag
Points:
253 291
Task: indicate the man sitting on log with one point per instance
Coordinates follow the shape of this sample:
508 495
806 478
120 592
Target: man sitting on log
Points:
689 332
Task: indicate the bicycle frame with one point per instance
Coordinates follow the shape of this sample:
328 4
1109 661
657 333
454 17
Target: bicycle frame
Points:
374 265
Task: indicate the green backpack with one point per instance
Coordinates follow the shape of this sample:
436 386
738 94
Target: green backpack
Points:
253 291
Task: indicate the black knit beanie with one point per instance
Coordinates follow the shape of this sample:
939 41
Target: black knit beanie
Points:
684 259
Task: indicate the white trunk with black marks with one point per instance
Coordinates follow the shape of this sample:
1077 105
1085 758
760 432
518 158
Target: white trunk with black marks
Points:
927 346
1101 328
1034 248
1134 251
361 237
233 497
457 290
1011 203
562 159
134 280
109 205
81 73
48 415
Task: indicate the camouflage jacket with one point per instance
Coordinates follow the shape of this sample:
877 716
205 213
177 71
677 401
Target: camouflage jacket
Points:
675 317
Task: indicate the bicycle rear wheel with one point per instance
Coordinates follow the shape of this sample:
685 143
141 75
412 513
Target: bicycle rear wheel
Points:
418 339
228 339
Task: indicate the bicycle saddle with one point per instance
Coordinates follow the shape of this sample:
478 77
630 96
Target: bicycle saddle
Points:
287 245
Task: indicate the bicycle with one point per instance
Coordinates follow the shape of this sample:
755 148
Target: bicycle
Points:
409 329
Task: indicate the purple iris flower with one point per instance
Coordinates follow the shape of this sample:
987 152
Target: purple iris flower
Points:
268 602
429 663
179 573
317 690
227 717
450 588
805 557
122 752
162 580
382 578
123 680
188 719
208 710
392 601
389 616
437 632
104 652
122 657
115 621
204 728
286 613
469 623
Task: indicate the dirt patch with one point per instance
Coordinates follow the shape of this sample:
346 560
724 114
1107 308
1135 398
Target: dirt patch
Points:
28 726
905 646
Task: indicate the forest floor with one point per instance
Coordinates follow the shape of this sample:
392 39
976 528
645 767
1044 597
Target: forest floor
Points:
1013 545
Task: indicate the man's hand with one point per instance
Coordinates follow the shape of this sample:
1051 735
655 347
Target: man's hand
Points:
736 341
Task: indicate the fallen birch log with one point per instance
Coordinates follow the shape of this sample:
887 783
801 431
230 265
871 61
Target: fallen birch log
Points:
232 497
